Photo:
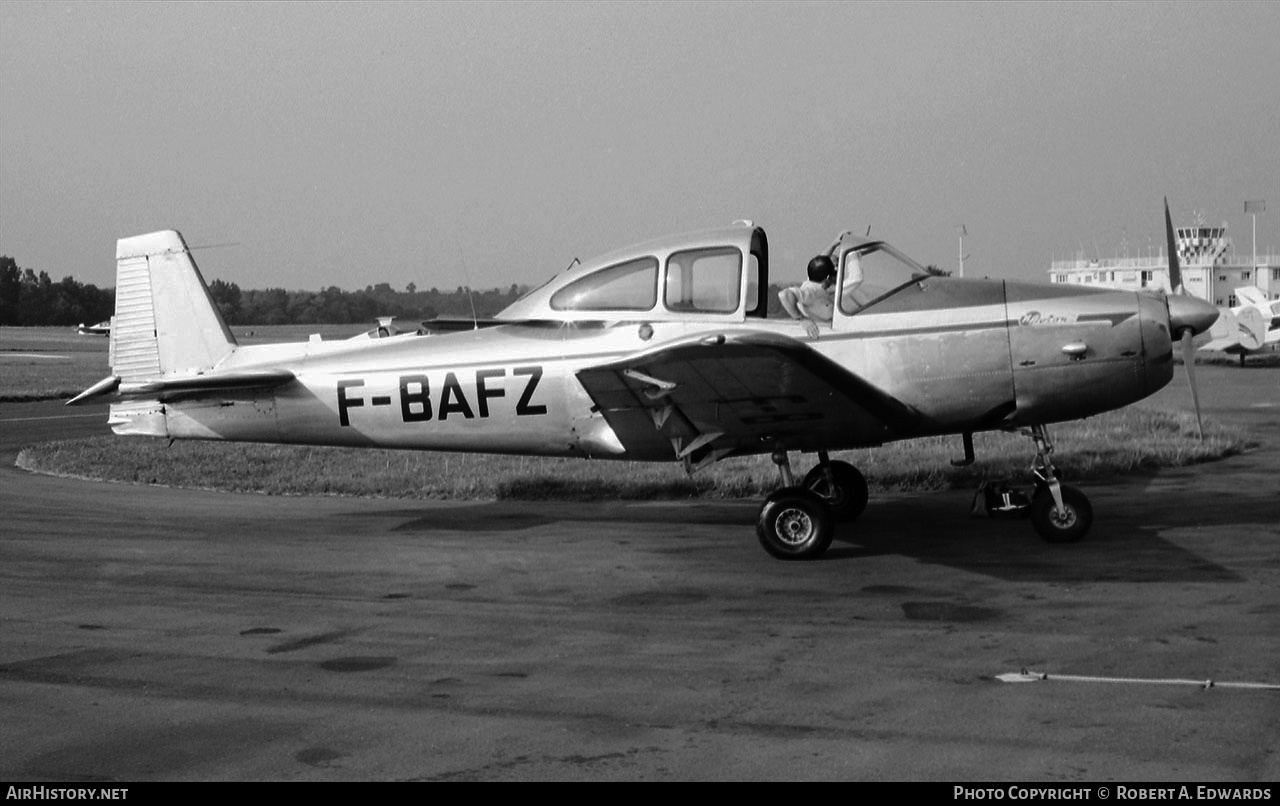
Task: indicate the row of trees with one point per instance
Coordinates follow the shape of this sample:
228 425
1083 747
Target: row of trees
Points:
28 298
332 305
31 299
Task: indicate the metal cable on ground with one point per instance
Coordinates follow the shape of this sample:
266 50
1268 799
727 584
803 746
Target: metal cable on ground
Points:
1025 676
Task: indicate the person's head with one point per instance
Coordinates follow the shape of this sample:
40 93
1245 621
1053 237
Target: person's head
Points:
822 270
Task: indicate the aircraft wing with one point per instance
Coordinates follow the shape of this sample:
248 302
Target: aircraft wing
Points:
705 397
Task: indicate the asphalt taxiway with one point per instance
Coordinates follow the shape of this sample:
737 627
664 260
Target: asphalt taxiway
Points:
161 634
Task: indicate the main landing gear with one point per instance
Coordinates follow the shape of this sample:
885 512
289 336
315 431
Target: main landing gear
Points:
797 522
1060 514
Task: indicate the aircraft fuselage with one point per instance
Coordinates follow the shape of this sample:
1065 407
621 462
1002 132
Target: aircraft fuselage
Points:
969 355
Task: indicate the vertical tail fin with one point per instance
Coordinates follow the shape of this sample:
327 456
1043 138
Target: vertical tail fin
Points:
1250 295
166 322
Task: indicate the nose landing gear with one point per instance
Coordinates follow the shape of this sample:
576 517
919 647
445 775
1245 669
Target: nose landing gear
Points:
1060 514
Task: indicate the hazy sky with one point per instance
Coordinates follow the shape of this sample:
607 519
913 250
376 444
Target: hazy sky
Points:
486 144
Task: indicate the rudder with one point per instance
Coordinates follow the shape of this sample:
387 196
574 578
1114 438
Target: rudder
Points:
166 322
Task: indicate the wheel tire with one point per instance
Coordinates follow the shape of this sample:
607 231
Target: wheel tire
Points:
795 524
848 499
1061 527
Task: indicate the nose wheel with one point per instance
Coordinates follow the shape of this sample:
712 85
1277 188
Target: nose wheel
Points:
1060 514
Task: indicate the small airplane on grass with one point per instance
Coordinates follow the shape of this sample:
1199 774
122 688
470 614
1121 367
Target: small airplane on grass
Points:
663 351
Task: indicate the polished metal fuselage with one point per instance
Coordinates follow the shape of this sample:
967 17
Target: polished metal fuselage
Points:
968 355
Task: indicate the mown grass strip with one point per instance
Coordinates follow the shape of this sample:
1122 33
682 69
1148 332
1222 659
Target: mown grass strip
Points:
1133 440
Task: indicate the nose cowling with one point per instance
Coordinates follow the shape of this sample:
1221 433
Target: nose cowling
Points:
1190 313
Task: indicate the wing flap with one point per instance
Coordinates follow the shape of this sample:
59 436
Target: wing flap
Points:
740 392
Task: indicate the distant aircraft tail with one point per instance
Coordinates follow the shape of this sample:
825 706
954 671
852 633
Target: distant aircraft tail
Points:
1249 295
166 322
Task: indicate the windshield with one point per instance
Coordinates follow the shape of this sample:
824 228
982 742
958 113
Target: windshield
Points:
871 272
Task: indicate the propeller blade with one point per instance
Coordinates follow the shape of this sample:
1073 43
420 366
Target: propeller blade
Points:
1189 361
1175 271
1186 314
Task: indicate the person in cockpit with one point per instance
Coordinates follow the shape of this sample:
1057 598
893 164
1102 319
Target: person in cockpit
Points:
813 301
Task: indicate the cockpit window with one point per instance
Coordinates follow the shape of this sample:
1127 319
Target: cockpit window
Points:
631 286
704 280
871 272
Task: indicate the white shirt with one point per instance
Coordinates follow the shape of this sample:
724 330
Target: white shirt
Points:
818 302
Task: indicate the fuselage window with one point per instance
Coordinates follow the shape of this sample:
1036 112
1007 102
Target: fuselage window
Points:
631 286
704 280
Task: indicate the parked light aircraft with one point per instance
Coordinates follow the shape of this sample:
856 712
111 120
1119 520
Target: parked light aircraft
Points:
663 351
100 329
1248 327
384 330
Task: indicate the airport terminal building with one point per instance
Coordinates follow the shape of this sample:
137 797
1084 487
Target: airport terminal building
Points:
1210 267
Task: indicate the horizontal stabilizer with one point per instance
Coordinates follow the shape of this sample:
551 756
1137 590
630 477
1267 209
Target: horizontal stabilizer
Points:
162 388
244 379
103 387
1249 295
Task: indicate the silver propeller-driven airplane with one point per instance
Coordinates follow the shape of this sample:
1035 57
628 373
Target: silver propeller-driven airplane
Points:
1248 327
663 352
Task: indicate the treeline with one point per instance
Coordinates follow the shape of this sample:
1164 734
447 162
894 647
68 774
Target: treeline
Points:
32 299
29 299
333 306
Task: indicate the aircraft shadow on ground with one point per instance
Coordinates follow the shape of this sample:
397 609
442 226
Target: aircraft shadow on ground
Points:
1011 551
939 534
1117 549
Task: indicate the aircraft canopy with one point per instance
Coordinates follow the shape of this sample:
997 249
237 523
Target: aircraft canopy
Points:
715 274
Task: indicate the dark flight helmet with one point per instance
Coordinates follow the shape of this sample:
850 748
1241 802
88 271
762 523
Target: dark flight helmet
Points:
821 268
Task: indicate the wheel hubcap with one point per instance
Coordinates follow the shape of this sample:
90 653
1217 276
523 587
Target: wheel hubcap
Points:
794 526
1063 518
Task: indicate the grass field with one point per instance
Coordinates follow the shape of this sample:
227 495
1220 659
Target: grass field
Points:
1128 441
42 363
48 363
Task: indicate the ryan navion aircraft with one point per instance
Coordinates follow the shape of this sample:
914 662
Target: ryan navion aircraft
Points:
661 352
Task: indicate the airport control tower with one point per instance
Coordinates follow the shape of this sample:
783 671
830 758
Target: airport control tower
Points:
1210 268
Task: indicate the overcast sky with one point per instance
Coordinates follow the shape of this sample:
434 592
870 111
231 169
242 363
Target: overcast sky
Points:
486 144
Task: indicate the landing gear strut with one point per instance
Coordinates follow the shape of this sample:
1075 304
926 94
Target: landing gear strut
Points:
840 483
1060 514
797 522
794 523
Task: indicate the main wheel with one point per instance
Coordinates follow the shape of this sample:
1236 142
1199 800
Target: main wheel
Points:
1067 525
795 524
847 497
